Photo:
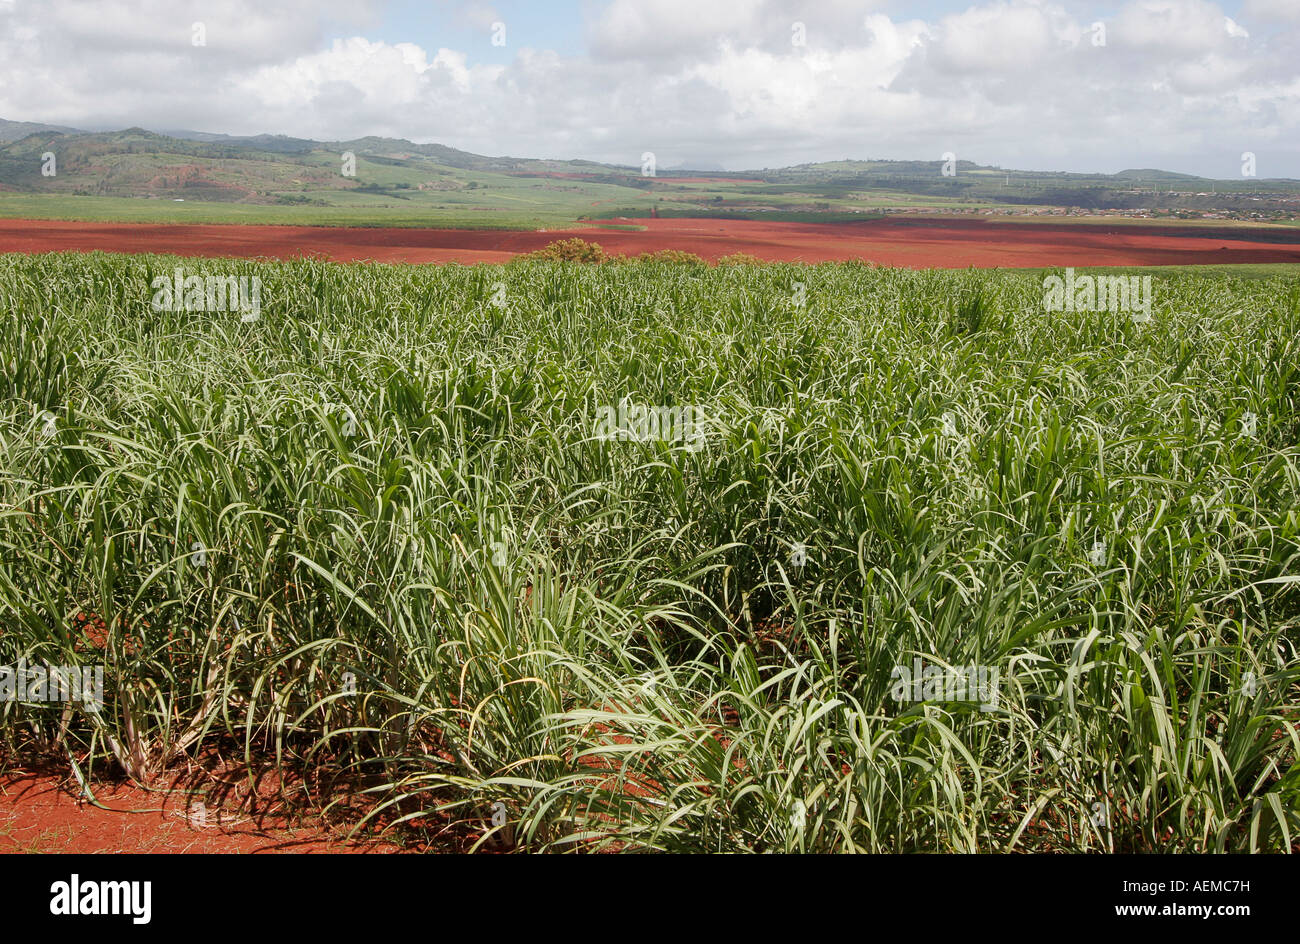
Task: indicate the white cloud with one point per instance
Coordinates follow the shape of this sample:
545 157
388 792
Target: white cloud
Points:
1164 26
684 29
1013 82
1284 10
997 38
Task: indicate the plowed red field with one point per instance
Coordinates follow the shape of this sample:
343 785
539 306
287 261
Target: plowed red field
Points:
39 813
915 243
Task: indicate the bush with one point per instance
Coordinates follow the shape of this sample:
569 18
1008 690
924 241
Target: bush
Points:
674 256
740 258
575 249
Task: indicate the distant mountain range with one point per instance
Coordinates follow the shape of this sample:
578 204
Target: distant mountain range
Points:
394 174
13 130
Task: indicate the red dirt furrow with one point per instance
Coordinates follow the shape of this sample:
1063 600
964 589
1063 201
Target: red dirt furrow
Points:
914 243
39 813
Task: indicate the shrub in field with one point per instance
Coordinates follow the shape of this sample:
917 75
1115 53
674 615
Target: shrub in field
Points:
671 257
574 249
377 536
740 258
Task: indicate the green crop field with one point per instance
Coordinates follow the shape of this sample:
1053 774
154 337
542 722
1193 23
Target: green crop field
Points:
375 533
343 212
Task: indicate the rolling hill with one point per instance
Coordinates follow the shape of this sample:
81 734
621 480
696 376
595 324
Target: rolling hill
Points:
199 176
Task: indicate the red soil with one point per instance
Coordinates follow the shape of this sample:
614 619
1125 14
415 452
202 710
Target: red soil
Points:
38 813
913 243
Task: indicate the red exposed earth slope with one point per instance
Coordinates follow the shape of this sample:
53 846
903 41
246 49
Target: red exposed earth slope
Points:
39 813
915 243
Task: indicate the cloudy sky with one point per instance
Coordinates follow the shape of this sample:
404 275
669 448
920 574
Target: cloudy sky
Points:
1184 85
